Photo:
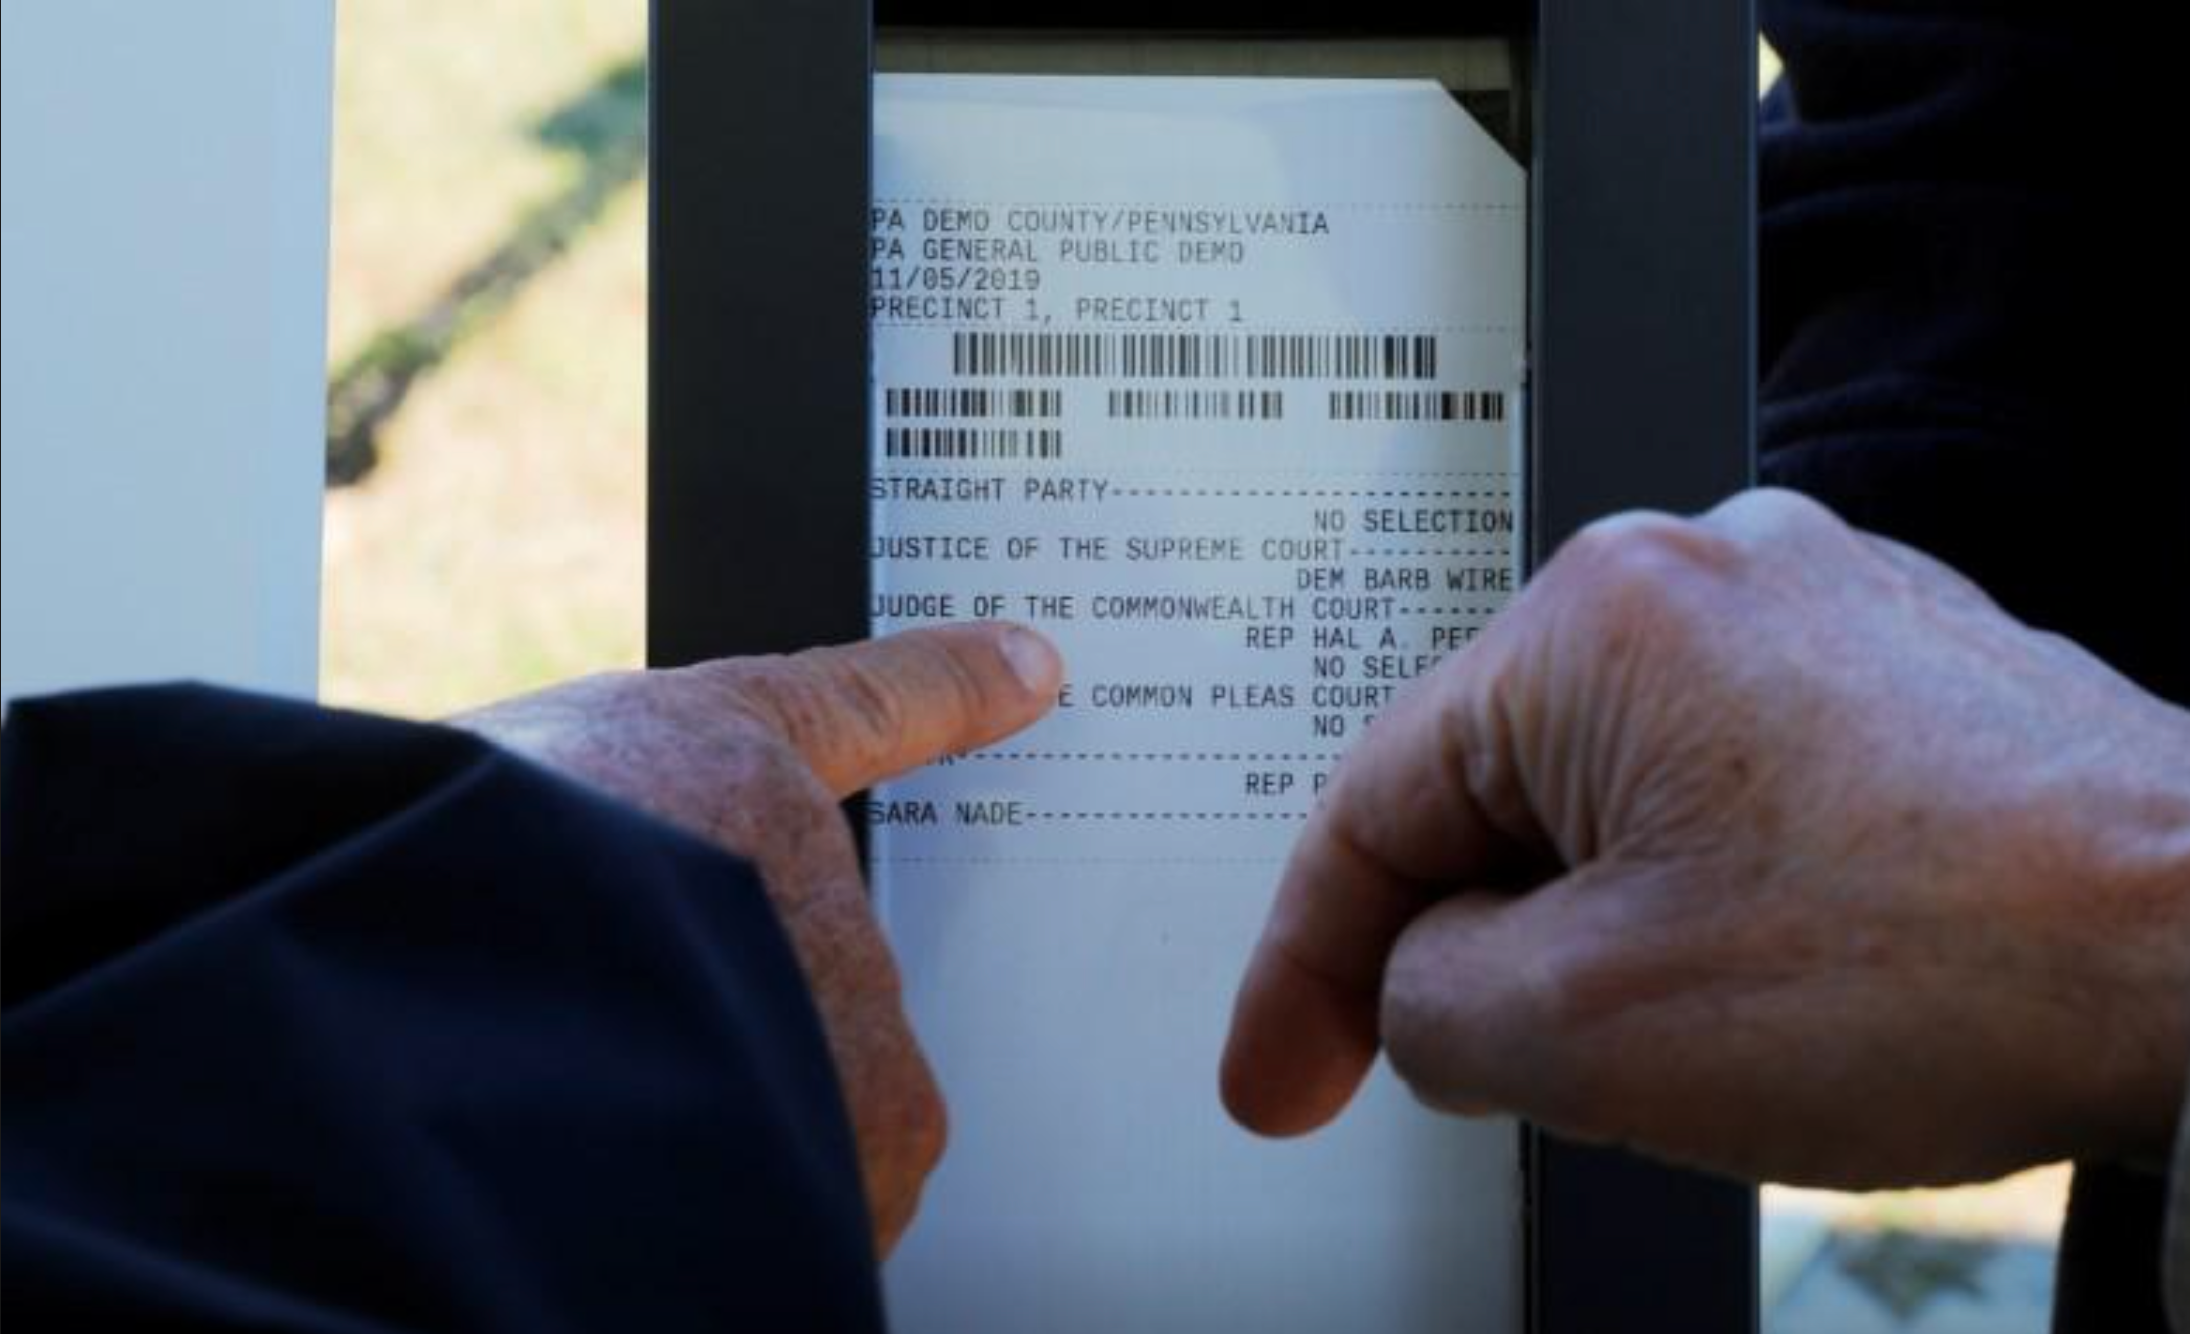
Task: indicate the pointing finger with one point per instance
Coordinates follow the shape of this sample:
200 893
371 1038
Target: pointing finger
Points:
861 713
1401 826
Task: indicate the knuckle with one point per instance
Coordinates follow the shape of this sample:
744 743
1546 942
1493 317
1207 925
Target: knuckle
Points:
853 693
864 711
1643 552
794 694
949 685
966 689
750 692
733 678
1645 576
820 703
623 698
1773 509
1782 535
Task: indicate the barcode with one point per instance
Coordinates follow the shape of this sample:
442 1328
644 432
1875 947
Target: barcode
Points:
1471 405
1178 356
973 402
1198 404
971 442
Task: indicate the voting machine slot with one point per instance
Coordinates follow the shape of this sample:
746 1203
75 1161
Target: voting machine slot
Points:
1254 353
1488 74
1207 357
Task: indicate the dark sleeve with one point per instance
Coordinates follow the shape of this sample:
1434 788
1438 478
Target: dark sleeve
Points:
317 1021
1970 281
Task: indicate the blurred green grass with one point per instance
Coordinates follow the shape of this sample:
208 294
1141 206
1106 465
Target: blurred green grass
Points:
498 543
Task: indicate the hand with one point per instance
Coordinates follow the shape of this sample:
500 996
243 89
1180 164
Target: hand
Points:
754 754
1759 844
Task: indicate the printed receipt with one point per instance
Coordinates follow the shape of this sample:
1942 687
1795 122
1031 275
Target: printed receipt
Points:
1217 382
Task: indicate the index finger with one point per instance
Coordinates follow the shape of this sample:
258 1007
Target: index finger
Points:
1401 825
861 713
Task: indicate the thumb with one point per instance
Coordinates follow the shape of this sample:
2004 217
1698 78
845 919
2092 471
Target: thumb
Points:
1528 1003
861 713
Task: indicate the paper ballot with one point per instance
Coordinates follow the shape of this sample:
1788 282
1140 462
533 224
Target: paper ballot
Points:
1216 381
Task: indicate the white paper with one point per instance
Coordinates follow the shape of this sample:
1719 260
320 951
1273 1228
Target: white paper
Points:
1216 381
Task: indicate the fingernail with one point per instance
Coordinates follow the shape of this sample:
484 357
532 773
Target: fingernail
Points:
1032 660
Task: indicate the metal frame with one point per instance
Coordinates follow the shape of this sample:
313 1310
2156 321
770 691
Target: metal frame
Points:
760 132
1642 396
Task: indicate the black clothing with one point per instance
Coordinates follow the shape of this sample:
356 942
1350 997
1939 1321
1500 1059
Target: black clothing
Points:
328 1022
1970 282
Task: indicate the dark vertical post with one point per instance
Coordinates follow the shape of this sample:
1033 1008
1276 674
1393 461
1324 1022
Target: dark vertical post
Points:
757 393
1643 389
1642 395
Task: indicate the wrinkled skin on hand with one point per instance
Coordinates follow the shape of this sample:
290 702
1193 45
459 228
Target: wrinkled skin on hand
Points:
1759 844
754 754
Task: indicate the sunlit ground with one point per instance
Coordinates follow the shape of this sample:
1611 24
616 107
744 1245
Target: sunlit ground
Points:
496 543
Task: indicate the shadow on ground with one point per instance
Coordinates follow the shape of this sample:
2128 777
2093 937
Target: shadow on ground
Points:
1906 1282
605 126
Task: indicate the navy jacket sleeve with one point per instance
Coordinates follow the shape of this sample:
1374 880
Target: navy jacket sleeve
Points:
317 1021
1970 283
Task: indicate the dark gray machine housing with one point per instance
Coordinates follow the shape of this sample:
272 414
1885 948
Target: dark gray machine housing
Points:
1639 126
